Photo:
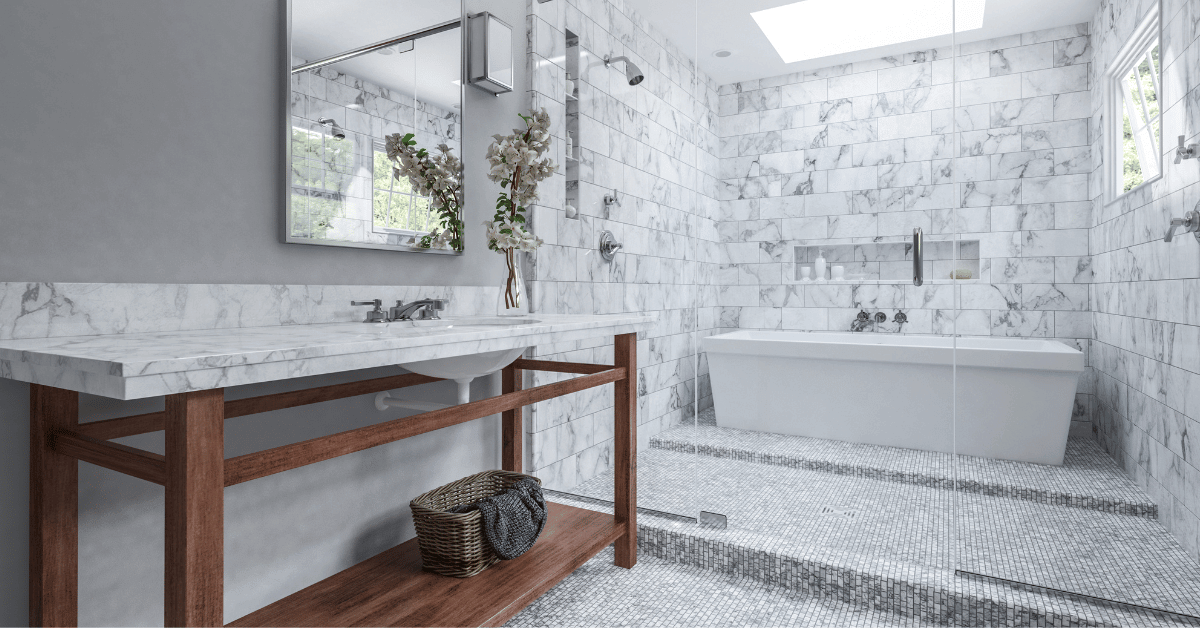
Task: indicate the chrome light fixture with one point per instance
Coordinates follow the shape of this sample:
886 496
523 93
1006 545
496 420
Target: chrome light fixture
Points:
489 53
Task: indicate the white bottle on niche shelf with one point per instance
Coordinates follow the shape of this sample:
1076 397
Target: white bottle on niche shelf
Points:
819 265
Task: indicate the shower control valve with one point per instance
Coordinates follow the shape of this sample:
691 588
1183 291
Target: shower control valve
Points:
900 317
863 316
880 317
1186 151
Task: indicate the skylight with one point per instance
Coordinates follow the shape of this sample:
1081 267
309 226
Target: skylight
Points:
820 28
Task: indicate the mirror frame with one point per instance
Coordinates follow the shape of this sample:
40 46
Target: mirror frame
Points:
286 111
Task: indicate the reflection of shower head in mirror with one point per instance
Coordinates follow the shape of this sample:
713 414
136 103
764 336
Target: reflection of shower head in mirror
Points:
632 72
334 130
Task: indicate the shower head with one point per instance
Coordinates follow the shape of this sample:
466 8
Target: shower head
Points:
334 130
632 72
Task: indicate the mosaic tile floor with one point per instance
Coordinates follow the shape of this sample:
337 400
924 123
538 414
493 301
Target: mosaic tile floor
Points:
658 592
898 533
1088 478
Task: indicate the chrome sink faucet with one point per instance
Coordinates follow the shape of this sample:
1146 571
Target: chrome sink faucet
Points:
423 310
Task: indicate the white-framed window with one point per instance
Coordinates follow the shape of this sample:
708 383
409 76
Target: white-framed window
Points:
397 209
1133 111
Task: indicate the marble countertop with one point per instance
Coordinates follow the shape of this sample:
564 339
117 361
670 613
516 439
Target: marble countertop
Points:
134 366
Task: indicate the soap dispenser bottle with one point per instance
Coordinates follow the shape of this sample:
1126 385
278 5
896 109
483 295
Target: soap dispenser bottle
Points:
819 266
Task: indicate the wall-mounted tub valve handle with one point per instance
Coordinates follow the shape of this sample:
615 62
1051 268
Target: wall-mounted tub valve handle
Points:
609 246
1190 223
612 199
376 315
918 257
900 317
1186 151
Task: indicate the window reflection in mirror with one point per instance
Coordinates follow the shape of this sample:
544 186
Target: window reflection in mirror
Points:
348 94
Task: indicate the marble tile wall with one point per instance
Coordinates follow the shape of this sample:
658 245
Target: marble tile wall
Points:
657 144
51 310
367 113
866 152
1146 349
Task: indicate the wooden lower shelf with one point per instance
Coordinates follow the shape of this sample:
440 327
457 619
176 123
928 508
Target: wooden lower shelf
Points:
390 589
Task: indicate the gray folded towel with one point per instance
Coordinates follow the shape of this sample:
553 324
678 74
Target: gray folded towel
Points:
513 519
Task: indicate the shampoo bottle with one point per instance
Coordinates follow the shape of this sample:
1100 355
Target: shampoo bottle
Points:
819 266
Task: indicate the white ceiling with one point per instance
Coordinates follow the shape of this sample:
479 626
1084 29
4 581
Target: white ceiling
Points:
322 29
701 27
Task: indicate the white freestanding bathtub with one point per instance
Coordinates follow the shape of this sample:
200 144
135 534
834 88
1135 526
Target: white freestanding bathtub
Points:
1013 397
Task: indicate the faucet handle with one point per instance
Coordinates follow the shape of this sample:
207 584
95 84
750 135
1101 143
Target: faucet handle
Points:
900 317
376 315
1190 223
863 316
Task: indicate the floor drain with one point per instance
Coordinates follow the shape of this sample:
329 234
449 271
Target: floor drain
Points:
830 510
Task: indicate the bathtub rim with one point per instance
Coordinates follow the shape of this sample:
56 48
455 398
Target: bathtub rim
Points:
1043 354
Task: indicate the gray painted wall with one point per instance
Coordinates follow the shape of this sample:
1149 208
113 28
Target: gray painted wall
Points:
147 148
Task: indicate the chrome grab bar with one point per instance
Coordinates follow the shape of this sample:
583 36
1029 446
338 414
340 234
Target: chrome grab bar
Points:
918 257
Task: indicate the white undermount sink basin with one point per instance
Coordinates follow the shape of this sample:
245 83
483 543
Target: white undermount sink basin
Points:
462 368
465 366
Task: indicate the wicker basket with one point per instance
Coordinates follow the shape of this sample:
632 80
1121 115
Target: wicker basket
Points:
453 544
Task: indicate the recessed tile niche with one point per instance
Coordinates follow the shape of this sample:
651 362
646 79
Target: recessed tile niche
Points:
888 262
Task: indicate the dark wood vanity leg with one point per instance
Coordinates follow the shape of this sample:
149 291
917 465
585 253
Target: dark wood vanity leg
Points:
625 449
194 576
513 430
53 510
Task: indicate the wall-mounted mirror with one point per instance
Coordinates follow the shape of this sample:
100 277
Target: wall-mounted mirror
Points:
375 124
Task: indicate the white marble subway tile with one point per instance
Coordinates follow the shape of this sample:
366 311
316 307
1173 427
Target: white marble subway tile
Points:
961 170
938 146
1056 242
1021 59
989 90
1075 160
759 100
989 141
805 93
1073 269
781 207
1022 270
1073 51
905 77
828 204
806 319
904 174
1055 189
1022 111
1072 78
1022 217
1013 323
1029 164
809 228
903 223
990 296
1054 297
990 193
853 225
849 179
851 85
1056 33
908 125
962 322
1071 133
962 220
828 158
876 153
1072 105
929 197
